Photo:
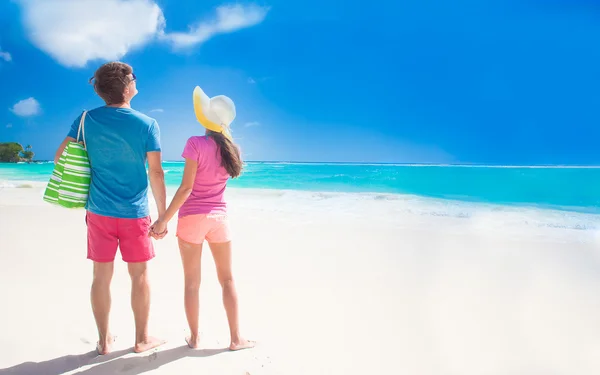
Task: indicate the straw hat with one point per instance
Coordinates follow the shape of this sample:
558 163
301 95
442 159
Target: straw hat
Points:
216 113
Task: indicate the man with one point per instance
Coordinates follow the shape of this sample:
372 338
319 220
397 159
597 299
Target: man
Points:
120 141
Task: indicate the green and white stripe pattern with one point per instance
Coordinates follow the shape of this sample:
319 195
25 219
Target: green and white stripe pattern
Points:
69 184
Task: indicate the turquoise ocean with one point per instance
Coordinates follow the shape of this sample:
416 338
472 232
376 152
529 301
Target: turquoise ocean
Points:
560 188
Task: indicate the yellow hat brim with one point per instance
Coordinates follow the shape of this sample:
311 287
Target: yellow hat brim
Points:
201 101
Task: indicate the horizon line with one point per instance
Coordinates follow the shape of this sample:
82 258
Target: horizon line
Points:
417 164
389 164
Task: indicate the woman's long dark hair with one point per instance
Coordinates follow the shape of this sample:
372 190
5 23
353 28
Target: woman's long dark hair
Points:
231 158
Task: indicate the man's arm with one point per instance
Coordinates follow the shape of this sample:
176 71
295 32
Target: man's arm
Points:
157 181
61 148
70 138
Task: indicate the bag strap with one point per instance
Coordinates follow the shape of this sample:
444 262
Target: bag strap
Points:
81 129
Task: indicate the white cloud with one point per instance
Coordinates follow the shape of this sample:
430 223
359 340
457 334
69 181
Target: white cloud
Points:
229 18
77 31
157 110
5 56
251 123
251 81
8 126
26 107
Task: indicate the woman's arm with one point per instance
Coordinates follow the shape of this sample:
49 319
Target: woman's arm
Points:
184 191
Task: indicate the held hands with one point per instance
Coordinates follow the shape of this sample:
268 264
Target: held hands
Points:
158 230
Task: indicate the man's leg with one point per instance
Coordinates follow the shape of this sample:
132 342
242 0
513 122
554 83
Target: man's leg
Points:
102 247
140 303
137 249
100 296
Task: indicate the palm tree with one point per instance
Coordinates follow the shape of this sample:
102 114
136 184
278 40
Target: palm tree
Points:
28 154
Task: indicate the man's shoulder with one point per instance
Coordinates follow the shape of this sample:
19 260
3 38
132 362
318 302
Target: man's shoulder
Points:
132 115
143 117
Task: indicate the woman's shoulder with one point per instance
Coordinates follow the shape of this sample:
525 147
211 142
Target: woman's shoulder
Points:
200 140
197 144
197 140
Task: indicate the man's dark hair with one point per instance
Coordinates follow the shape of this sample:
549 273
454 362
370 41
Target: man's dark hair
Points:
110 81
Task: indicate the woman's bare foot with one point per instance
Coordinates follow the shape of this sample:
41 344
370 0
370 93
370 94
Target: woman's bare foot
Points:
193 342
149 343
103 348
242 344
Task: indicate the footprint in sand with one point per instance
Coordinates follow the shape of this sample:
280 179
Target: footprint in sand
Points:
127 367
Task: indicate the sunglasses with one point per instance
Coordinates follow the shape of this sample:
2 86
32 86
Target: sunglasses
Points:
132 74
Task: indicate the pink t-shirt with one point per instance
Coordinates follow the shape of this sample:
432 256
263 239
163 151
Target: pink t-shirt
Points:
211 178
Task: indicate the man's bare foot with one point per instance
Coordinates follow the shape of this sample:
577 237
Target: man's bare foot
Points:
149 343
193 342
103 348
242 344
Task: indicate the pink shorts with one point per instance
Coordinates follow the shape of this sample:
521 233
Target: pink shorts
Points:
105 234
213 228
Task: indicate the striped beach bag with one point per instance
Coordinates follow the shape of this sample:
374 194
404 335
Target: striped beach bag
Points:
69 184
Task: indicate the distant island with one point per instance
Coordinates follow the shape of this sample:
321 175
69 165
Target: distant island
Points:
12 152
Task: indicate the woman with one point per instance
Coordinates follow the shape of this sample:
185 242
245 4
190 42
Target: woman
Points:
210 160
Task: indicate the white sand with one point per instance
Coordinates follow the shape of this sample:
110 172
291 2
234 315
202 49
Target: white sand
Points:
329 284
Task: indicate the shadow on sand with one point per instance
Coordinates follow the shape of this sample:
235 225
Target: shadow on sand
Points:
109 364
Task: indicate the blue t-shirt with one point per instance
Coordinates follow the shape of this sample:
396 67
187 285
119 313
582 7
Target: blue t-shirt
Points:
117 140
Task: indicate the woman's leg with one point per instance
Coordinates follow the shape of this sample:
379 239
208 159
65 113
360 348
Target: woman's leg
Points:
222 255
191 255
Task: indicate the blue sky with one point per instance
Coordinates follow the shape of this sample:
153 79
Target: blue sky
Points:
463 81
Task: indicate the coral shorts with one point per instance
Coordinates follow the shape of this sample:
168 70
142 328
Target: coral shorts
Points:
105 234
213 228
